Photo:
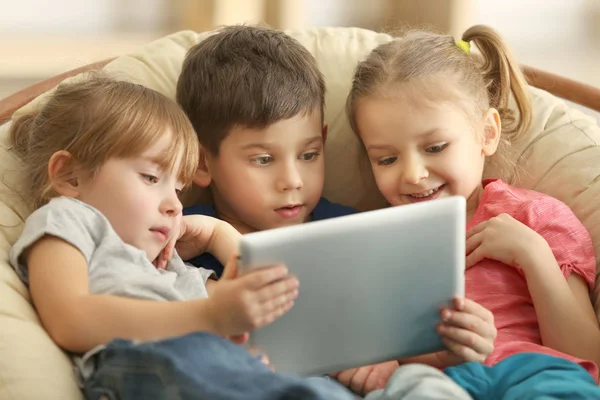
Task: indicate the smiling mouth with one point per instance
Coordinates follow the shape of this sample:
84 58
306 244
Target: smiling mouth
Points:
425 194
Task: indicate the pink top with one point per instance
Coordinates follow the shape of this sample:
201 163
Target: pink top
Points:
502 289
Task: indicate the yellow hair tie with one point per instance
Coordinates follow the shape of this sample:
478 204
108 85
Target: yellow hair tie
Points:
464 46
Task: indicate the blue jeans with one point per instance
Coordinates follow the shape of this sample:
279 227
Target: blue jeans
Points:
196 366
526 376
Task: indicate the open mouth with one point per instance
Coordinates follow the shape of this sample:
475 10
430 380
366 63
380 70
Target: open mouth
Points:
426 195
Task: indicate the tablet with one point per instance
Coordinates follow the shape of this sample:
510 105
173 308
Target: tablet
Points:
371 285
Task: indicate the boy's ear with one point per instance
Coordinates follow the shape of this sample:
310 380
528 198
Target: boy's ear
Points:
203 176
492 130
324 133
62 174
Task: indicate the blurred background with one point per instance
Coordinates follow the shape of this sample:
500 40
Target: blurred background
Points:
39 39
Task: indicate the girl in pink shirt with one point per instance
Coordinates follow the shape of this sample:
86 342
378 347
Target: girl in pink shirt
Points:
430 116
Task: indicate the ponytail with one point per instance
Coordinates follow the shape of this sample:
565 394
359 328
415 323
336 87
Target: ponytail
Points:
502 76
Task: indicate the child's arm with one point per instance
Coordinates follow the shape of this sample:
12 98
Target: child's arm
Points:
565 314
199 234
78 321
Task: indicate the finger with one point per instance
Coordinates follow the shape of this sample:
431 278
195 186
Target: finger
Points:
264 276
469 322
464 352
476 255
230 271
271 314
473 242
279 289
279 305
357 384
469 339
476 229
472 307
374 381
240 339
183 227
345 377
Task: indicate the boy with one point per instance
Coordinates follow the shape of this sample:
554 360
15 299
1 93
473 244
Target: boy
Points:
255 97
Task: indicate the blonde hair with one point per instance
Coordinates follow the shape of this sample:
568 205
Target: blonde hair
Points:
481 80
97 119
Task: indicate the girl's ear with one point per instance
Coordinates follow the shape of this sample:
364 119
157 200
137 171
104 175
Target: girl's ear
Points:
203 176
62 176
492 130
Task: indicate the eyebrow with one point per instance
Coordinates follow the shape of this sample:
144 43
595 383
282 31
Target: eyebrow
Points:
422 135
269 146
156 160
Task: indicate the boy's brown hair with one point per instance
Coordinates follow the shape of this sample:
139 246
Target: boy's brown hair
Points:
248 77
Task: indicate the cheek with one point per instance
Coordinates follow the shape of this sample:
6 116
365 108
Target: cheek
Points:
386 183
314 174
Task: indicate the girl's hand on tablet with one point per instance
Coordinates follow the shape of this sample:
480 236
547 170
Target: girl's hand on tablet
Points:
244 303
468 331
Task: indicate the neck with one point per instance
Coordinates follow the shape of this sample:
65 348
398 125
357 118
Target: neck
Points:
473 202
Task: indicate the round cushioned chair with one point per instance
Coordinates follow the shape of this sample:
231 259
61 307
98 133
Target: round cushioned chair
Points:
560 156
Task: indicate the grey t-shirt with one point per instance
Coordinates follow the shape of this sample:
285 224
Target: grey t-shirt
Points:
114 267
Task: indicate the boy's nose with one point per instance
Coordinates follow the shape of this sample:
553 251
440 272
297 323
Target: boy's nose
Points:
290 179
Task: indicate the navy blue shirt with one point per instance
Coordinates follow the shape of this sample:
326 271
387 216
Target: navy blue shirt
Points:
323 210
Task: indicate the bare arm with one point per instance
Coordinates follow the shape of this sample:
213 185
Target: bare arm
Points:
78 321
563 307
200 234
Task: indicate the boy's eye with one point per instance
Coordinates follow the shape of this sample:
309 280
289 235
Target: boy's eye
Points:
437 148
262 160
150 178
387 161
310 156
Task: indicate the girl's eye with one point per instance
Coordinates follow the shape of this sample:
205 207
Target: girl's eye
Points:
387 161
437 148
178 192
150 178
262 160
310 156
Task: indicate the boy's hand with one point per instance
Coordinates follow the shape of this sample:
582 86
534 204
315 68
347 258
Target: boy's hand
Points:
503 239
246 303
468 331
364 380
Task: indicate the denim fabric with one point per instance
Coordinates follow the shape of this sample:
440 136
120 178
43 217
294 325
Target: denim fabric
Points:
196 366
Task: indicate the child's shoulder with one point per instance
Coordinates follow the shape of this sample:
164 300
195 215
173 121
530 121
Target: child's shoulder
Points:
65 218
522 203
64 210
325 209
